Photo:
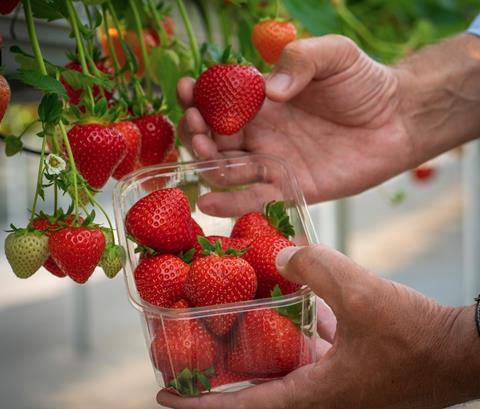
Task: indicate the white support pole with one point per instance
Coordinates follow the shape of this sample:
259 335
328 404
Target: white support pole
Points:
331 221
471 222
81 322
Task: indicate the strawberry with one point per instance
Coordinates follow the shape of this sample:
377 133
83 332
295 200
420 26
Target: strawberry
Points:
423 173
26 251
97 150
77 251
113 260
266 343
220 278
229 95
270 37
172 157
5 94
261 256
168 25
225 377
272 222
158 138
7 6
226 242
197 230
162 221
75 94
160 280
133 139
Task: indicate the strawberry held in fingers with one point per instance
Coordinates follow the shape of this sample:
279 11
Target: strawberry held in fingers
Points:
97 150
133 140
158 137
7 6
77 251
270 37
229 96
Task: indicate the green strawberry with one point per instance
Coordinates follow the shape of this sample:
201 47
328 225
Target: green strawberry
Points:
113 260
26 251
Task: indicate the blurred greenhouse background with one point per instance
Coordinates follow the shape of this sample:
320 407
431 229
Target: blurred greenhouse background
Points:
69 346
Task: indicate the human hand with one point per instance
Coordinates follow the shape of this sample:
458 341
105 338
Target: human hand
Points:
331 112
393 348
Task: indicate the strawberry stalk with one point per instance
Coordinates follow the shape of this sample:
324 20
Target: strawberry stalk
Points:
143 47
277 8
191 36
39 179
158 23
100 207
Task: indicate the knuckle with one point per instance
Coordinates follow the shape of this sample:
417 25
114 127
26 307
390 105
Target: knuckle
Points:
306 258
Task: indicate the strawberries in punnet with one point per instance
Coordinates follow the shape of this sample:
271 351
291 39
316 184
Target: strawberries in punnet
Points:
220 278
158 137
77 251
274 221
265 343
226 242
160 280
7 6
270 37
229 96
133 140
98 150
197 230
261 256
162 221
225 377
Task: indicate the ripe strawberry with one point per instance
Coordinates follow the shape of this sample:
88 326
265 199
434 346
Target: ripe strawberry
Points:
160 280
158 136
97 150
172 157
197 230
274 221
168 25
133 139
113 260
4 96
162 221
7 6
261 256
220 279
225 377
26 251
266 343
77 251
424 173
270 37
226 242
229 95
75 94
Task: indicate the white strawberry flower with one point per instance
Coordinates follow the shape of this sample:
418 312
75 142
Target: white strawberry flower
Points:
55 164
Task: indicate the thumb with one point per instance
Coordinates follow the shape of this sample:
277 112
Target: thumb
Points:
330 275
310 59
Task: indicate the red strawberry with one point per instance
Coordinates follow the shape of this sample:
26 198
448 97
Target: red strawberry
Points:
261 256
160 280
197 229
273 222
270 37
7 6
75 94
162 221
220 279
423 173
168 25
97 150
229 96
226 242
4 96
225 377
266 343
77 251
133 139
158 136
172 157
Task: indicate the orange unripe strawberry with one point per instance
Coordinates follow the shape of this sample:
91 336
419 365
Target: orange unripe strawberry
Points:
270 37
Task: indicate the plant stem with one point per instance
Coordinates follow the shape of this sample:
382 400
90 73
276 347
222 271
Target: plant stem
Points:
143 47
277 8
225 25
208 20
190 33
39 179
158 24
100 207
73 166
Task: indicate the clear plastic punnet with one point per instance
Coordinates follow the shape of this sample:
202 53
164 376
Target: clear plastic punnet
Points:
268 337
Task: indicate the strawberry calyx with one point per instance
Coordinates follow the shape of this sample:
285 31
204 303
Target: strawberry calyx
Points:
277 215
191 382
23 231
212 54
209 249
187 256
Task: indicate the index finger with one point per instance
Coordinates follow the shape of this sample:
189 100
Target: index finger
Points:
185 92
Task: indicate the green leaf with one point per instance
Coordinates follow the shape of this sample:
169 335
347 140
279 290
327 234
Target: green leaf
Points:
277 215
293 312
28 61
13 145
49 9
50 109
318 17
39 81
165 66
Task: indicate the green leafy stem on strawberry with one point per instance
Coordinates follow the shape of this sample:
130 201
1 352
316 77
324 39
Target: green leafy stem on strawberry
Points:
208 248
191 382
277 215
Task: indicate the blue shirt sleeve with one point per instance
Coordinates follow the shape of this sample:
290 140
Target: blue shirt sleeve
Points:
475 27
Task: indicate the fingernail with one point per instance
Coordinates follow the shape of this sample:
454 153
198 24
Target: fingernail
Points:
284 256
279 82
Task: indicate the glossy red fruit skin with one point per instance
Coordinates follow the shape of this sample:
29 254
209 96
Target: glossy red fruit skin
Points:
227 243
252 225
160 280
158 138
75 95
77 251
97 150
7 6
220 280
262 256
181 344
423 173
225 377
197 230
162 221
229 96
133 140
5 94
266 343
270 37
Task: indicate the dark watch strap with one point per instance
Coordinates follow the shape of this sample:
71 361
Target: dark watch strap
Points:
477 314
